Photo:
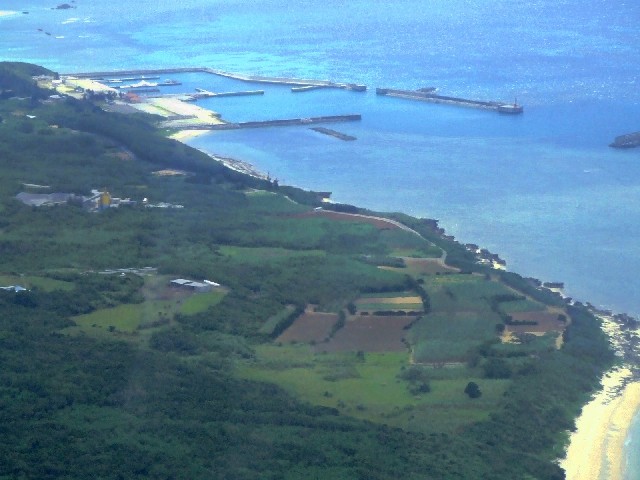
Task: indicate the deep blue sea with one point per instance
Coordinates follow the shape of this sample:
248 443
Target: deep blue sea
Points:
543 189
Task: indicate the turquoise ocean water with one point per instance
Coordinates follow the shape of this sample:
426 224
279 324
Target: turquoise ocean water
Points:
542 189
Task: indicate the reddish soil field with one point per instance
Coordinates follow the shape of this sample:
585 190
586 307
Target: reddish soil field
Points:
370 334
310 326
379 223
547 322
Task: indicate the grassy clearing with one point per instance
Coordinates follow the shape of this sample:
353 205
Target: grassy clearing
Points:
260 254
447 408
408 244
525 305
421 267
200 302
273 321
125 318
368 387
363 388
160 305
269 202
32 281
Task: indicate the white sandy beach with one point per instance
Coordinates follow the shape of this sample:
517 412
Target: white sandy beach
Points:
596 449
184 135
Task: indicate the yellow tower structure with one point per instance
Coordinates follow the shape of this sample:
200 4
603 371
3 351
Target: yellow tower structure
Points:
105 199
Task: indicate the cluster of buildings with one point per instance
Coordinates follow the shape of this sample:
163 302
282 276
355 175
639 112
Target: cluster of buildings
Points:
200 287
98 200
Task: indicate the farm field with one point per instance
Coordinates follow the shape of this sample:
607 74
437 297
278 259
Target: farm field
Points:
369 333
546 322
461 292
521 306
309 327
402 302
451 336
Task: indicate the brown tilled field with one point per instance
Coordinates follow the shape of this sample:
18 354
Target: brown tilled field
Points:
308 327
370 334
547 322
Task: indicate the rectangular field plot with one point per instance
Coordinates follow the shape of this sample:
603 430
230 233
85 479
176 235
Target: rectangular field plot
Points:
420 267
393 303
450 337
309 327
522 306
459 292
545 322
370 333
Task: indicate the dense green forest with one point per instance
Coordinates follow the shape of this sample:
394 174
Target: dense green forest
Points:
112 374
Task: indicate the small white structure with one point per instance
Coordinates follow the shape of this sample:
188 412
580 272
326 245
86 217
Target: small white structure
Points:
191 285
15 288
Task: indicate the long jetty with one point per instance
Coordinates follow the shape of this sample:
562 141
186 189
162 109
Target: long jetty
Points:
236 76
334 133
428 95
261 124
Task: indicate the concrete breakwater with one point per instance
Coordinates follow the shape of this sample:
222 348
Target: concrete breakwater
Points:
428 95
261 124
202 93
334 133
296 82
236 76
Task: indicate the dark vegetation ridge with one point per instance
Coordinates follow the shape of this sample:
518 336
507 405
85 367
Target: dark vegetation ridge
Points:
113 374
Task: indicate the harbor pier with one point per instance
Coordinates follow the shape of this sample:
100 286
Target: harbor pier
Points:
260 124
429 95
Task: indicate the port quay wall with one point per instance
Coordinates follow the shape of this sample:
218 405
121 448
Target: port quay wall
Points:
269 123
212 71
434 98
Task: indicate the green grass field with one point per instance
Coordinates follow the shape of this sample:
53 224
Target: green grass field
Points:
129 318
273 321
407 244
32 281
125 318
459 292
261 254
369 387
200 302
525 305
450 337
